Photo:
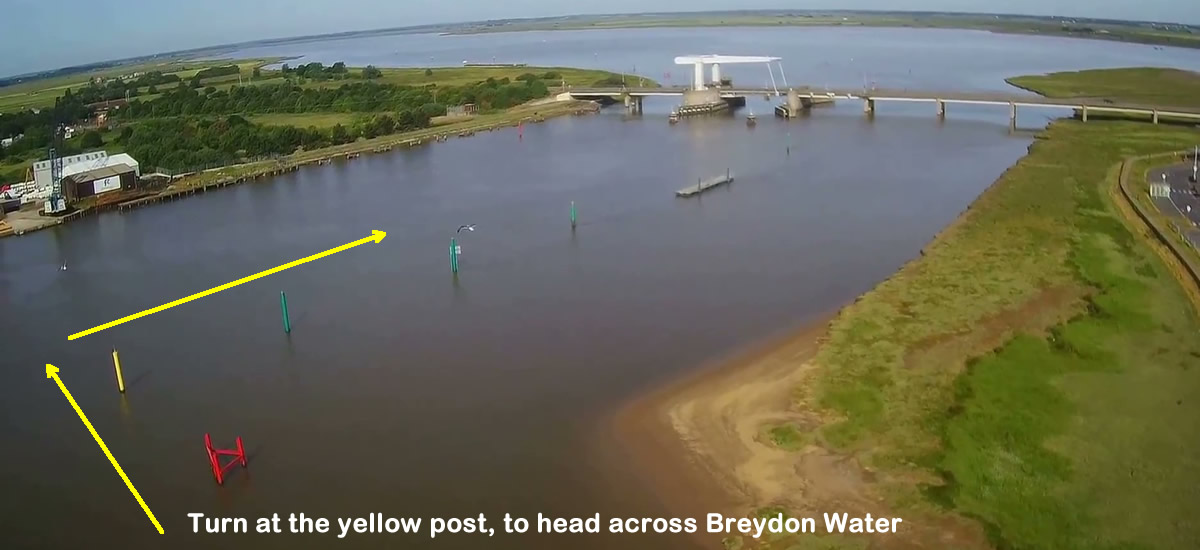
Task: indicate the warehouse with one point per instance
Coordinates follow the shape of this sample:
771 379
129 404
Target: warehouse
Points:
77 164
41 169
99 180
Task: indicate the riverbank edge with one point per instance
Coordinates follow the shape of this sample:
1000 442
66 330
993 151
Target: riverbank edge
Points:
191 184
690 484
685 482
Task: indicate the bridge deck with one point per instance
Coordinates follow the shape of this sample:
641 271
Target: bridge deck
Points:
880 94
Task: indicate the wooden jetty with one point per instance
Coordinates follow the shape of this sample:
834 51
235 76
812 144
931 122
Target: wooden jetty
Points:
704 185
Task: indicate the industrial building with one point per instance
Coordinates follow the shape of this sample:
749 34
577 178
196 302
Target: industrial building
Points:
41 169
89 174
99 180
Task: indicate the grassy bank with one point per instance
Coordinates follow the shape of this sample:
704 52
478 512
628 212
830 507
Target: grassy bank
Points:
1033 372
1035 368
1142 85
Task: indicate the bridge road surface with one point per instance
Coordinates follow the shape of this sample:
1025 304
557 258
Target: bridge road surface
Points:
1096 105
1184 194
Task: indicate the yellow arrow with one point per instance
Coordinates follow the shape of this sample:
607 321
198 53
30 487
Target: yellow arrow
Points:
52 372
375 236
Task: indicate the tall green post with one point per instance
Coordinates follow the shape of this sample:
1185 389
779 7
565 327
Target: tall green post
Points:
287 321
572 214
453 255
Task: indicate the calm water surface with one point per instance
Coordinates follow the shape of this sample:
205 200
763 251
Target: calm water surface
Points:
405 391
820 56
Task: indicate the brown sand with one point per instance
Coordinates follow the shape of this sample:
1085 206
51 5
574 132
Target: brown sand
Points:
699 445
696 441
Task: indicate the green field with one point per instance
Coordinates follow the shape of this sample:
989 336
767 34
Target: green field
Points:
41 93
1143 85
1035 370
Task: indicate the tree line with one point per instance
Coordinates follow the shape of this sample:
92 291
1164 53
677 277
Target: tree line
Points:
185 143
347 98
318 71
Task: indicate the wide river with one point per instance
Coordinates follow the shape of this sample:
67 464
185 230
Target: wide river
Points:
405 391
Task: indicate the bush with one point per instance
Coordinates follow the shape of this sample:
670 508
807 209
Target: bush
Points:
428 72
91 139
528 77
551 75
433 109
614 80
217 71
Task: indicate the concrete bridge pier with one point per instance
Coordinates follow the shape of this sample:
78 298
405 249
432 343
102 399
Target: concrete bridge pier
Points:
633 104
1154 118
793 102
869 106
941 109
1083 113
1012 114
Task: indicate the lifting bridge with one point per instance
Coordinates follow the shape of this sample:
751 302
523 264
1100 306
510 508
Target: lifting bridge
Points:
871 97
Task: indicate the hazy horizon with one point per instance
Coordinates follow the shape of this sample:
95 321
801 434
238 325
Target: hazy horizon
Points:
117 29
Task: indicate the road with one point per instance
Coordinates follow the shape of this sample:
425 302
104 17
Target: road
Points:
1185 195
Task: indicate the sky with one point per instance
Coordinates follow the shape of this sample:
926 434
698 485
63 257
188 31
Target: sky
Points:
46 34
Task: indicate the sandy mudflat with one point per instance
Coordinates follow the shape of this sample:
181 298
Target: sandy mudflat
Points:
700 445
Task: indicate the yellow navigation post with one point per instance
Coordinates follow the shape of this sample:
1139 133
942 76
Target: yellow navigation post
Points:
117 367
52 373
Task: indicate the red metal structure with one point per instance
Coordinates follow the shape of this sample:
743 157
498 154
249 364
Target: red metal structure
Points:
214 458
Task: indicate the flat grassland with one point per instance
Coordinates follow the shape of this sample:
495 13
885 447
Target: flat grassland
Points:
1028 382
1141 85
